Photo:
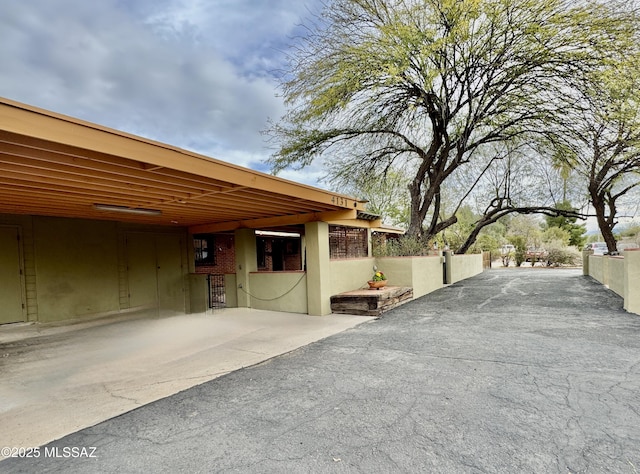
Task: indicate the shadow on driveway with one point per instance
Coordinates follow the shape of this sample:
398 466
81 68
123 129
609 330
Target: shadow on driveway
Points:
527 370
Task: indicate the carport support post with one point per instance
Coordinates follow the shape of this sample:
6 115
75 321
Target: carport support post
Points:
318 278
448 267
632 281
246 262
585 261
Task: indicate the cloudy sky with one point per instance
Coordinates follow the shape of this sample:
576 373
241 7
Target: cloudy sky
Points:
198 74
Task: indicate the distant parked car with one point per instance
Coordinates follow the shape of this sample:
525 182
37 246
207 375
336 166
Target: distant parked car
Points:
599 248
507 249
534 255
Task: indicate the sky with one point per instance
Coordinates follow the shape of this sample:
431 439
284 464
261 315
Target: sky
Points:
197 74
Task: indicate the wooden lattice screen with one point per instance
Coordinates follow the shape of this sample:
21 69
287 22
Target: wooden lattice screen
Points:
347 242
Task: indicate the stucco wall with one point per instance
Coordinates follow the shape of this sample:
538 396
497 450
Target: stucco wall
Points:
77 268
231 290
463 266
350 274
198 293
25 226
616 275
278 291
632 281
423 274
596 268
81 269
621 274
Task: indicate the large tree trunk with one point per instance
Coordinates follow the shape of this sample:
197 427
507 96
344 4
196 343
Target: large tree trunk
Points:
605 223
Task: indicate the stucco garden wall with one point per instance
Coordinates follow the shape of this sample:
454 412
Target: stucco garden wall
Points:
609 271
423 274
350 274
460 267
621 274
632 281
616 275
596 267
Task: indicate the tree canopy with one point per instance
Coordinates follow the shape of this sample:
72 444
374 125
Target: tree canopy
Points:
602 142
426 85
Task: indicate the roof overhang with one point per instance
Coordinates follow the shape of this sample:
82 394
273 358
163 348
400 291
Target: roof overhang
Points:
55 165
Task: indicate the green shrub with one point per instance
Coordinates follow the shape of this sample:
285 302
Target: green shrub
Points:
400 247
520 244
560 256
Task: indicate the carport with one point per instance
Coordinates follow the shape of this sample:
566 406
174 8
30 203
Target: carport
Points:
94 221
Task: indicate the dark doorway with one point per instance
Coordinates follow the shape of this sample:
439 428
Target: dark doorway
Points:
277 254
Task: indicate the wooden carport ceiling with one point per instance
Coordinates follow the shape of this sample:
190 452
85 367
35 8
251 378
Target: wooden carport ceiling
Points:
58 166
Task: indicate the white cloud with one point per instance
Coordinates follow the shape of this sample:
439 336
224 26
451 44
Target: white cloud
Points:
199 74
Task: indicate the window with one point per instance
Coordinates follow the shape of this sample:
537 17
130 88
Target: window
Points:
347 242
204 247
262 251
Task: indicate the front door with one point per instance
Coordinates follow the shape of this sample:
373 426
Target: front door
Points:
11 286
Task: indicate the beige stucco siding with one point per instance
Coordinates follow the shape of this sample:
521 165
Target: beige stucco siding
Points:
279 291
350 274
77 271
81 268
463 266
423 274
616 275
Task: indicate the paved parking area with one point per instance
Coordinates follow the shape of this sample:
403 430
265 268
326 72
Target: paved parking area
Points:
526 370
58 379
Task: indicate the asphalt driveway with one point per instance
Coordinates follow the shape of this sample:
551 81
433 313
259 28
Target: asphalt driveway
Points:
525 370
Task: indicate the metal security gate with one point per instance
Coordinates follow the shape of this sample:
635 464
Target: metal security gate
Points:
217 296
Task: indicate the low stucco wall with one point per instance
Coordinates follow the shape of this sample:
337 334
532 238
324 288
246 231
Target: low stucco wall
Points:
423 274
632 281
231 290
350 274
278 291
615 273
198 293
596 268
609 271
460 267
621 274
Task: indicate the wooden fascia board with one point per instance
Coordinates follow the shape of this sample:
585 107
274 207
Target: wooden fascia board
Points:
274 221
45 125
386 230
365 224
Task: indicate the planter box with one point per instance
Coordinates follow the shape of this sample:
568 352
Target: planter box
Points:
370 303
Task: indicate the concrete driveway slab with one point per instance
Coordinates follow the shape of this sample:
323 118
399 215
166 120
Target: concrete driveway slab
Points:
526 370
57 379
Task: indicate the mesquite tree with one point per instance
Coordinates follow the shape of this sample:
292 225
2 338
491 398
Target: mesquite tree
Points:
602 142
427 83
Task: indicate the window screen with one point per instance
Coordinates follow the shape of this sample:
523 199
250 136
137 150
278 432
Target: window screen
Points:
347 242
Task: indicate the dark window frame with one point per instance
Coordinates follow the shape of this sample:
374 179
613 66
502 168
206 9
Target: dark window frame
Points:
204 248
